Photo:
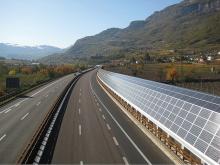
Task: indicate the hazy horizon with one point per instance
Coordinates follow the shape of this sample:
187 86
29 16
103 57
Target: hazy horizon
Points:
61 23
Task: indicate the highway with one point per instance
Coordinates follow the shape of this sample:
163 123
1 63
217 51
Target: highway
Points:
95 131
20 118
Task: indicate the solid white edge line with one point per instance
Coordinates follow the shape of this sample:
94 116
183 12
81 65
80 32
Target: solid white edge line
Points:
128 137
1 138
24 116
15 105
8 110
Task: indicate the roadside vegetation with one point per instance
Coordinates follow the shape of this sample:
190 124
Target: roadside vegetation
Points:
204 76
31 75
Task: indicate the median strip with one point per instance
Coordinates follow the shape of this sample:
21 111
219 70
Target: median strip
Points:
47 133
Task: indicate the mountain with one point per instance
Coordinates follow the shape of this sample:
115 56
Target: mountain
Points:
188 24
27 52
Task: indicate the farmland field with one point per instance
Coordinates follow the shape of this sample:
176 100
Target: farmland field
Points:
202 77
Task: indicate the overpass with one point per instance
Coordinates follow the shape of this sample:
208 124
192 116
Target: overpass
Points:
104 117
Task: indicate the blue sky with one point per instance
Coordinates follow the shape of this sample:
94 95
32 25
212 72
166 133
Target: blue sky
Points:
61 22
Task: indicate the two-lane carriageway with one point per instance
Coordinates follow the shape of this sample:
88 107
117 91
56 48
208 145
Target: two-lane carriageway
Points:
94 130
20 118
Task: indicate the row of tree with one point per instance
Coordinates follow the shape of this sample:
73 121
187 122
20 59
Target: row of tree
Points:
32 75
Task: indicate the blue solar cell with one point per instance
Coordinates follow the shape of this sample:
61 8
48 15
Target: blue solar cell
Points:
191 115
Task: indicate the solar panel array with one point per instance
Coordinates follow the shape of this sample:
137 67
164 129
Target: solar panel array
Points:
192 116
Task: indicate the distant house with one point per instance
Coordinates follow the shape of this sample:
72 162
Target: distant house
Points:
35 63
201 60
209 58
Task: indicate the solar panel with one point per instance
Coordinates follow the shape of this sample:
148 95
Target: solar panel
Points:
192 116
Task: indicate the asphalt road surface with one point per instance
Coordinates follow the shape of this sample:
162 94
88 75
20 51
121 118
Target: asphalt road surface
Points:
95 131
20 118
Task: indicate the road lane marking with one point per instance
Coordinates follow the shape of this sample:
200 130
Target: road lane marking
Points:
24 116
1 138
46 95
121 128
46 87
79 111
16 105
97 104
80 130
103 116
81 162
38 103
108 126
100 109
115 141
8 110
79 100
125 160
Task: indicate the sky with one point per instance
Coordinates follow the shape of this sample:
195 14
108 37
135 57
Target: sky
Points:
61 22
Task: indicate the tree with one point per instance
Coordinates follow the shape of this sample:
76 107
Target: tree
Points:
26 70
171 74
12 72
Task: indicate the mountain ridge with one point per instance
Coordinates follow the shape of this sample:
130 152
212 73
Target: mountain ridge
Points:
188 24
16 51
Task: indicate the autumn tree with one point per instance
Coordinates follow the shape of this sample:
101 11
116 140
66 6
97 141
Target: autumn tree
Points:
12 72
26 70
171 74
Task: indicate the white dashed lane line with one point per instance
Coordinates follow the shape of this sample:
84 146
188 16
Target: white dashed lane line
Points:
115 141
16 105
2 137
120 127
125 160
80 130
24 116
108 126
79 111
103 117
8 110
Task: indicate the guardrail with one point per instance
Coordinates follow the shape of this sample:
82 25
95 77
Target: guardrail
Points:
148 102
19 92
40 148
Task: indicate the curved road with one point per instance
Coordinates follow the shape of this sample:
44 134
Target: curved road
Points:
95 131
20 118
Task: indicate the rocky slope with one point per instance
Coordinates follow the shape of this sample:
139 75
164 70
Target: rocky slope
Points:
189 24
